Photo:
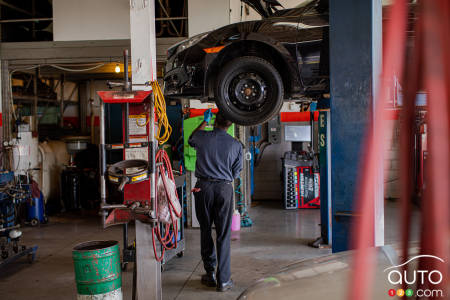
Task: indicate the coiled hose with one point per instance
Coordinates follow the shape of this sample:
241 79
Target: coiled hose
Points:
169 235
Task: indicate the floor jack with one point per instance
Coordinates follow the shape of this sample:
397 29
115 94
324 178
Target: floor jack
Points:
135 176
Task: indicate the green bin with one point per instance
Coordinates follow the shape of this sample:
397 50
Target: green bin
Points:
97 270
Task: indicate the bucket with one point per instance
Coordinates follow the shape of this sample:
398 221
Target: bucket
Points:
236 221
97 270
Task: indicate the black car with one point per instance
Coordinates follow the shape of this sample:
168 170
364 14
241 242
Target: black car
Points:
249 68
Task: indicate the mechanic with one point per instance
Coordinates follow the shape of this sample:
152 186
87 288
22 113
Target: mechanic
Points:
219 162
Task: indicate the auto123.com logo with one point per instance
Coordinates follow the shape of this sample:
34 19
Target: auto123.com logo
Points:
415 280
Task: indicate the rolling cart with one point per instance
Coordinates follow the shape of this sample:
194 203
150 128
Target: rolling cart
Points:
11 196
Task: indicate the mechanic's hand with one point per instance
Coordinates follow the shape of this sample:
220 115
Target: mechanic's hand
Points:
207 116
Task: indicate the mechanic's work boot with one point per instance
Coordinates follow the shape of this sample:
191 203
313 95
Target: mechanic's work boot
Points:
226 286
209 279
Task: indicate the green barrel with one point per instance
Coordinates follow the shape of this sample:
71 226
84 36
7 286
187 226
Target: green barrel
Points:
97 270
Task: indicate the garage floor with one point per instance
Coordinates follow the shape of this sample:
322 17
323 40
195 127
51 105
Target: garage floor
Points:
277 238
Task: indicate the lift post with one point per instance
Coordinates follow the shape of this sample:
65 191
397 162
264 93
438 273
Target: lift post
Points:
352 102
139 146
143 67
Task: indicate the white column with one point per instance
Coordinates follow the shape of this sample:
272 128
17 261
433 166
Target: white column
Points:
143 68
377 59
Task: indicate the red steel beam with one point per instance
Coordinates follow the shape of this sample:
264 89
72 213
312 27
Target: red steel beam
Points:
411 83
436 206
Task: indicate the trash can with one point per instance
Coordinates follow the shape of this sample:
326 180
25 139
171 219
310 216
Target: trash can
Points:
97 270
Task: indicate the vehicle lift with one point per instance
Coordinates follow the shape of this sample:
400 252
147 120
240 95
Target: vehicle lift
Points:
135 177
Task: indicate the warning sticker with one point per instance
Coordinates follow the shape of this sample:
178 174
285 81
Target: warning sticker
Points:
117 146
134 145
138 139
139 177
135 153
137 125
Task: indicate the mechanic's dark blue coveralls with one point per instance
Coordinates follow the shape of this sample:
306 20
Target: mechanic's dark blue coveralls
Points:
219 162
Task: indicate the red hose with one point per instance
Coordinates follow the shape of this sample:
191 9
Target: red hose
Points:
169 235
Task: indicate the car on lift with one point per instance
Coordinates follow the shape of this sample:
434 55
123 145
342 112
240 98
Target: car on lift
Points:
249 68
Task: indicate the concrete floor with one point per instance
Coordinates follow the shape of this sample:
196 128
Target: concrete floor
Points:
277 238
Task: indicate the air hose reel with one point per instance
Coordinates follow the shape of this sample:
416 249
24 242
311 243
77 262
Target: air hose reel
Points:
128 172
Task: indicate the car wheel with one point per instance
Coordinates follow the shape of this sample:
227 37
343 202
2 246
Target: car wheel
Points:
249 91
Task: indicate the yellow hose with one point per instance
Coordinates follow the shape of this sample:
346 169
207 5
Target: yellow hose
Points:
164 129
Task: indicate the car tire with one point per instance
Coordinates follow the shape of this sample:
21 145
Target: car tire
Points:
249 91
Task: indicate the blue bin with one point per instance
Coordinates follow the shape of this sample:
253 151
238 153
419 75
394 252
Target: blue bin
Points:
36 210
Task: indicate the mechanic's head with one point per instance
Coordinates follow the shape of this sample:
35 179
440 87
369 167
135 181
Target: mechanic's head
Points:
221 122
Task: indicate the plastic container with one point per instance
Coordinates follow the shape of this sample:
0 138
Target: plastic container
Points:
35 210
236 221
